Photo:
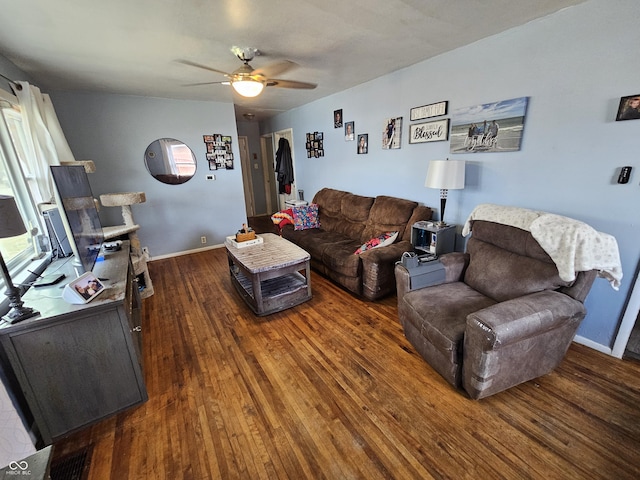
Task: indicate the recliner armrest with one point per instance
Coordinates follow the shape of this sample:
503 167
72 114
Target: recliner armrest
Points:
403 280
524 317
455 264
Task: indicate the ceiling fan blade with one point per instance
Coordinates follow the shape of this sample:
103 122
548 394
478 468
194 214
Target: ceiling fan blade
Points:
205 83
198 65
274 82
275 68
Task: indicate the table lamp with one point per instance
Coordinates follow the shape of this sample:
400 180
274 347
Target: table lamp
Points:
445 175
11 225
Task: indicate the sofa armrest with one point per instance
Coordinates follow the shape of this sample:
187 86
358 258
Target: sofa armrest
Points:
378 264
521 318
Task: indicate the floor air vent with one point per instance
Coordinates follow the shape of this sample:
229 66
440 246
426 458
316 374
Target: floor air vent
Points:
74 466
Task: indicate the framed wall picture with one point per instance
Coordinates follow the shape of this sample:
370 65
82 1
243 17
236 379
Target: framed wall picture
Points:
629 108
428 111
337 118
392 133
489 128
429 131
349 132
314 145
363 143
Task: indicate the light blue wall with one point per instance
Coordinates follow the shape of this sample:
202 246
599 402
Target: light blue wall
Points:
115 130
574 65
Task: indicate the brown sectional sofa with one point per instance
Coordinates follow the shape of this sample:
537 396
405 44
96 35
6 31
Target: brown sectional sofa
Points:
346 222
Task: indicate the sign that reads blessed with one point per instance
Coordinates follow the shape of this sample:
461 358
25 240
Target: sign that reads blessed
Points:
429 132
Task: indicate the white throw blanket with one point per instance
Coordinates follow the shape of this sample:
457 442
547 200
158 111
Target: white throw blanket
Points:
574 246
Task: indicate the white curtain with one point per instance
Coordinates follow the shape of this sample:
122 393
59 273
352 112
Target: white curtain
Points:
46 143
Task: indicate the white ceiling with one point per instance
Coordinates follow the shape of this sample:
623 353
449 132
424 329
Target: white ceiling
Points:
131 46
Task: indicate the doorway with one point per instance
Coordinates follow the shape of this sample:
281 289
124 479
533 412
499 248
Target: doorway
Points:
269 169
628 337
283 197
247 181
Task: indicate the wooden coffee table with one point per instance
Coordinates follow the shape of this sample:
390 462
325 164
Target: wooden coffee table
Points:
271 276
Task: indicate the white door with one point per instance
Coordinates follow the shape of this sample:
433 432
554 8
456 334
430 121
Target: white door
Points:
288 134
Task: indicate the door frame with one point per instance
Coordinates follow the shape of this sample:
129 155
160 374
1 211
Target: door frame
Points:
269 172
628 320
247 181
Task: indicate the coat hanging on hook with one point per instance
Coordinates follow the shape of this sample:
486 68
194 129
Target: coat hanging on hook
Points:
284 166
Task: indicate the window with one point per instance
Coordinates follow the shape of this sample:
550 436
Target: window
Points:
14 177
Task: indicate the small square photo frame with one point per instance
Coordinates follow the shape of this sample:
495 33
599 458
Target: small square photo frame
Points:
83 289
629 108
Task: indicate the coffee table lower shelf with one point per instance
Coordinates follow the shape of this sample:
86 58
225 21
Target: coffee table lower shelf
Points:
278 293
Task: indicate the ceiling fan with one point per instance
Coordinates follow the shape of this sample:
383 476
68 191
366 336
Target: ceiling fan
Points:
250 82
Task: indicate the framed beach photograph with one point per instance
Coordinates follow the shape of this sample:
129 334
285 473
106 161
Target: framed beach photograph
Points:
629 108
392 133
437 131
489 128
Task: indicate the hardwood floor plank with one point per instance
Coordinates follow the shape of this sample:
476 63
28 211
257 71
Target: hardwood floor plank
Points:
331 389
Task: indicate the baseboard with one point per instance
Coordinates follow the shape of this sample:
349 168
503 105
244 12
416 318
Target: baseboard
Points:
185 252
591 344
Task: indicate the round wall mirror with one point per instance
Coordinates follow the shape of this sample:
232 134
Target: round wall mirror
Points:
170 161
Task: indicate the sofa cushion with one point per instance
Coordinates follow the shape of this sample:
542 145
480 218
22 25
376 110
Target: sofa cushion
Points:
503 275
354 214
314 240
388 214
329 203
440 314
339 258
419 213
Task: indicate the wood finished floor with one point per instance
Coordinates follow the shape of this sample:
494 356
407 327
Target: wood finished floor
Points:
332 390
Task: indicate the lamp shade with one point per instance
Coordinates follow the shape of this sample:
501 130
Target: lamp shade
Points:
11 224
248 87
445 174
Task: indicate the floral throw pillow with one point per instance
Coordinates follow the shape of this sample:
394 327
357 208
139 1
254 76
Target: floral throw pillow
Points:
381 240
305 217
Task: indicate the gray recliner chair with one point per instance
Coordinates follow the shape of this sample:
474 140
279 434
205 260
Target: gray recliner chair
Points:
503 316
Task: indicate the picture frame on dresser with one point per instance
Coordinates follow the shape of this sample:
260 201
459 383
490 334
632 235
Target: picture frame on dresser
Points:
83 289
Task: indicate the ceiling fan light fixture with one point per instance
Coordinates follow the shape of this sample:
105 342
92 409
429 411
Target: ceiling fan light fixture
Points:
248 87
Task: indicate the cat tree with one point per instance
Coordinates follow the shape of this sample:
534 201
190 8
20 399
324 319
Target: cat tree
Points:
138 256
124 200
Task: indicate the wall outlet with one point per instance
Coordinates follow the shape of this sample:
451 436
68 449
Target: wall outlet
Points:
211 177
203 239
